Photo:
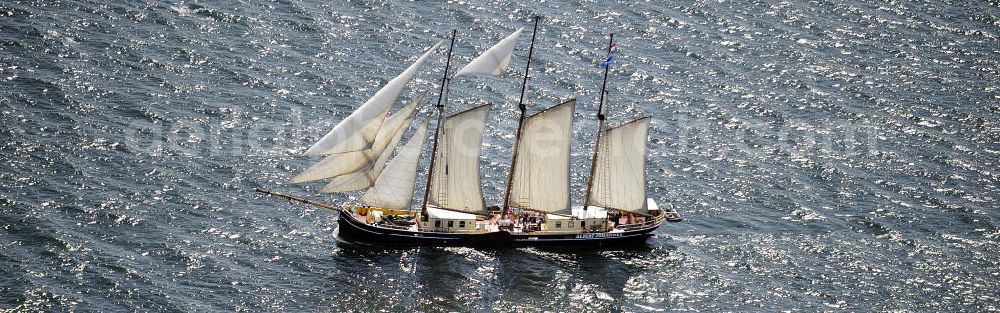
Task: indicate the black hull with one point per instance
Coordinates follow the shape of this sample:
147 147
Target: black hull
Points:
354 230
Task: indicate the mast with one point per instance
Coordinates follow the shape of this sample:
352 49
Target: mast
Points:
520 122
437 129
600 128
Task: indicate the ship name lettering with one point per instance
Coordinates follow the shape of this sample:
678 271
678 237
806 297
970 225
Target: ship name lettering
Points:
597 235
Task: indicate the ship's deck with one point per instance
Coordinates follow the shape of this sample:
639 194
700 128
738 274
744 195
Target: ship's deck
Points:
491 225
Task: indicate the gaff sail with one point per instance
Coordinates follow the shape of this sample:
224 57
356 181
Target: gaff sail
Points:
620 170
541 174
455 184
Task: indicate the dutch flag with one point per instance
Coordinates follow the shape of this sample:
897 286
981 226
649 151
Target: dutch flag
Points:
611 55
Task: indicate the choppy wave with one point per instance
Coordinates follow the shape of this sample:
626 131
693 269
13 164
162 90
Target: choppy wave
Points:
827 156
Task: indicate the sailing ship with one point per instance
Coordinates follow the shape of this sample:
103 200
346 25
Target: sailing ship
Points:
536 208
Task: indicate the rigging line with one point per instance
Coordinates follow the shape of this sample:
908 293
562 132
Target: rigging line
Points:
606 172
437 129
520 121
600 128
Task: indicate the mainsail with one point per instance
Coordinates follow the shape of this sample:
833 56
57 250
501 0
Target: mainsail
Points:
365 177
393 189
338 164
358 130
541 174
495 60
454 182
619 174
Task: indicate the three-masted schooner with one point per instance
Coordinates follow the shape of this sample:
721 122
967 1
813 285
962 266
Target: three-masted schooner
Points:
536 208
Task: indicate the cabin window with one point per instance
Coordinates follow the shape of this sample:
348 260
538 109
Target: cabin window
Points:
437 223
570 224
451 224
558 224
461 224
583 223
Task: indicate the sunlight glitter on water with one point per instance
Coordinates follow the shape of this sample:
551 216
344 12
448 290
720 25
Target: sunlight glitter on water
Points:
826 156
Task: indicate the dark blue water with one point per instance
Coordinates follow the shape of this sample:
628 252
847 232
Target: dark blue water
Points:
829 155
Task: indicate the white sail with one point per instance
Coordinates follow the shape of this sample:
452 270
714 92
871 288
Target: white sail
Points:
495 60
342 163
365 177
541 172
356 132
399 121
350 182
393 189
620 174
455 183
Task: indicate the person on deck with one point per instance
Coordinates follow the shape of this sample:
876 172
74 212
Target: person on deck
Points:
504 224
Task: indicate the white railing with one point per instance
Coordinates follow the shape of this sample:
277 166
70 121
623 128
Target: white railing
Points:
649 222
393 226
